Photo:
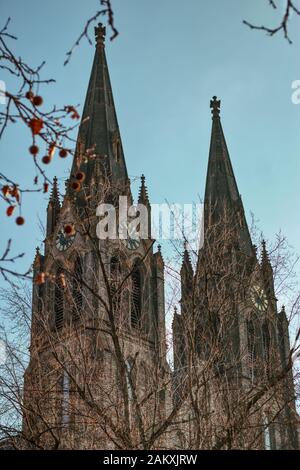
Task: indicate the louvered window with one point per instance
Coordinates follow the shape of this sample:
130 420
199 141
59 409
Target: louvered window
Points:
58 300
115 283
266 341
136 297
65 416
251 347
77 289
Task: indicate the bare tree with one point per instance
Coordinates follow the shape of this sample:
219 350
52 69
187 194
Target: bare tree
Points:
283 25
89 386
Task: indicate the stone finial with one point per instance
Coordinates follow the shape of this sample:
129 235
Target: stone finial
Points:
143 193
264 252
37 259
215 105
54 192
186 260
100 32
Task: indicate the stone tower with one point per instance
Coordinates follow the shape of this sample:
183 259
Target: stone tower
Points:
230 326
98 322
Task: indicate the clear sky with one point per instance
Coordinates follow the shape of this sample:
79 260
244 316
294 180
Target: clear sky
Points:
170 58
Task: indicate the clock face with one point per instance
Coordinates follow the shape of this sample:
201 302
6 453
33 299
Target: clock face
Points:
63 241
132 242
259 298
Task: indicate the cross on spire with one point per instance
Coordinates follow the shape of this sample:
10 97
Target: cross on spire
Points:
100 32
215 105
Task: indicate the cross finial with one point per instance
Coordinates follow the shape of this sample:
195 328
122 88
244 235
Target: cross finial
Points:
215 105
100 32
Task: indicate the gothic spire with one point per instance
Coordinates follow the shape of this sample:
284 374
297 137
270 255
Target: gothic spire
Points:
186 273
144 200
264 254
186 260
54 196
267 270
99 137
222 198
143 193
53 209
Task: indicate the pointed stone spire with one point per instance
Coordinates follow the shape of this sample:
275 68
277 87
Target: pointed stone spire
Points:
264 254
143 199
267 271
186 274
99 136
186 260
282 312
37 258
54 196
143 193
53 209
283 335
38 261
158 255
222 196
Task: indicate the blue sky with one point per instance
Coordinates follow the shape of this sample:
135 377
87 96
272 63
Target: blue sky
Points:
170 58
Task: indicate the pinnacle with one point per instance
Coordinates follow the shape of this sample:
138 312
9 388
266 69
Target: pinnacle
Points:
54 196
143 193
265 255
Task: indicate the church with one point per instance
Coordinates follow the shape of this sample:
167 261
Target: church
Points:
98 376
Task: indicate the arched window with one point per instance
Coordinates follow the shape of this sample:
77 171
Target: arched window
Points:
65 415
77 289
136 296
129 378
59 299
251 346
267 434
266 341
115 270
250 339
40 295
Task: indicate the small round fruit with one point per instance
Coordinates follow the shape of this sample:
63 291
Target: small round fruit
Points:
63 153
34 150
76 186
29 95
46 159
69 229
37 100
80 176
20 220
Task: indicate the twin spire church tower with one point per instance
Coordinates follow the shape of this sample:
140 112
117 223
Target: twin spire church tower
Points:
98 376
